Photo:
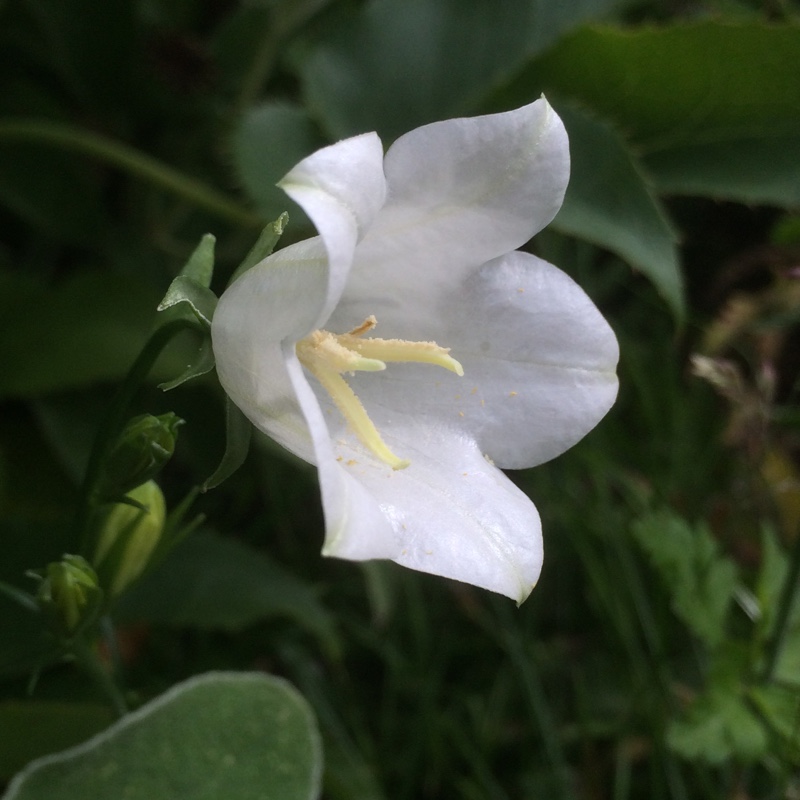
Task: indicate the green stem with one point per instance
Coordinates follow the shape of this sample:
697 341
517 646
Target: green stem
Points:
113 423
785 604
88 659
26 600
67 137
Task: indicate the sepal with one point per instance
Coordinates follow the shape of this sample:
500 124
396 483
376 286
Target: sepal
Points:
69 596
141 451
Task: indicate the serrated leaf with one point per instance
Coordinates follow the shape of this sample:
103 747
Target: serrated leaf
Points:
390 65
610 203
700 579
702 82
718 727
217 583
719 724
780 707
241 736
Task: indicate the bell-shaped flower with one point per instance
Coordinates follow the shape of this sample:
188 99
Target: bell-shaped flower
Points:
410 351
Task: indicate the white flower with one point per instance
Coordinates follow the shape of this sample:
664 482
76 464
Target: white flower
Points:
423 242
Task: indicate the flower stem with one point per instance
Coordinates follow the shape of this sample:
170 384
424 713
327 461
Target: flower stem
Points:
113 422
785 604
67 137
87 657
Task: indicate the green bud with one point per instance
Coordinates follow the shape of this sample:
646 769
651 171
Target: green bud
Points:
69 596
128 536
143 448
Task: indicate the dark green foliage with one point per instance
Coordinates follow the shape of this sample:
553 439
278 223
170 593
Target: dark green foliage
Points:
659 656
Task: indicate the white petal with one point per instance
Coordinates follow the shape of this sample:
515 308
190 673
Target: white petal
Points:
453 514
539 365
355 526
541 355
278 300
460 192
341 188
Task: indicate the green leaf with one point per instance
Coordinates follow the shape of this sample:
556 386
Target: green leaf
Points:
45 726
217 583
390 65
264 245
780 707
719 724
238 430
267 142
610 203
220 735
86 329
750 170
699 577
703 82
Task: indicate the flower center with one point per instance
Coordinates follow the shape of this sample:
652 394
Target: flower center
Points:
327 355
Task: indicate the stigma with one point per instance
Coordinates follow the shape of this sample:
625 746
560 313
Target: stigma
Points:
327 355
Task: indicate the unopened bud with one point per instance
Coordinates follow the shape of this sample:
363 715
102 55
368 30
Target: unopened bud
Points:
128 536
69 595
143 448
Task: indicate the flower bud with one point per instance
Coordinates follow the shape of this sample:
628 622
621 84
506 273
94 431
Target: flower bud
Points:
143 448
69 595
128 536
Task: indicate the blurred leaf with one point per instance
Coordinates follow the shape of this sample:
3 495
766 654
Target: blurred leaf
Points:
700 579
54 192
267 142
752 170
780 706
390 65
219 735
704 82
238 431
610 203
719 724
42 727
769 589
217 583
86 329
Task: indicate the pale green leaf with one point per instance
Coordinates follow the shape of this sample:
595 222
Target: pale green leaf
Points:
700 579
238 736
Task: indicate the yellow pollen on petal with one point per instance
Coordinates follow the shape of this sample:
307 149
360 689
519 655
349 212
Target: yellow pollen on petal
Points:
327 355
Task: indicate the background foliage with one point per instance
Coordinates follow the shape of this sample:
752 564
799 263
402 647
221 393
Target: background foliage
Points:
660 655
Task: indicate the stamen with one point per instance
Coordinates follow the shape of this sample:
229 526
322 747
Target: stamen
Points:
326 355
353 411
